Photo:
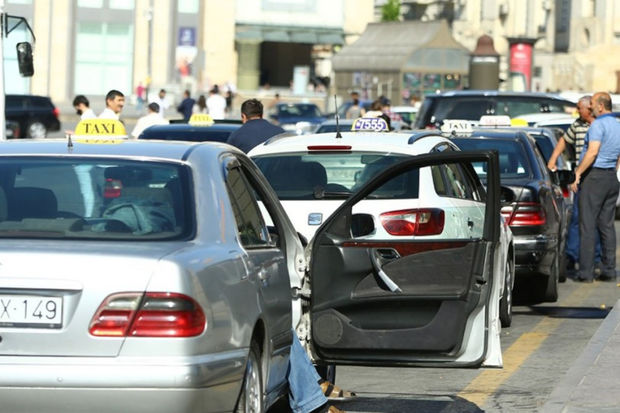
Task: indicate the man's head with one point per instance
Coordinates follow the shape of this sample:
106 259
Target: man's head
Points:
583 107
215 90
355 95
251 109
80 103
153 107
115 101
162 93
186 94
601 103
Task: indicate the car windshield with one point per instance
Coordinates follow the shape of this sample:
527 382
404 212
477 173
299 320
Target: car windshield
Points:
302 110
512 156
335 175
42 197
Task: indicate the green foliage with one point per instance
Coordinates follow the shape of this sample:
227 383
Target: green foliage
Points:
390 11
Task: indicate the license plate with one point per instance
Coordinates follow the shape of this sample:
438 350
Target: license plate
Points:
30 311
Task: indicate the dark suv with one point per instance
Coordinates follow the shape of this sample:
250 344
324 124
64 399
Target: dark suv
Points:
473 104
36 115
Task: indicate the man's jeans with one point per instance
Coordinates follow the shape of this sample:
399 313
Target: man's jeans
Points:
305 394
572 237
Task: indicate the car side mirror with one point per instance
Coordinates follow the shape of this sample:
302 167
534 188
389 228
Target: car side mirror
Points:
362 224
24 59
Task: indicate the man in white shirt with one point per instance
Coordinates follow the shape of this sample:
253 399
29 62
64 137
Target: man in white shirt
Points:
216 104
162 102
114 102
151 118
82 107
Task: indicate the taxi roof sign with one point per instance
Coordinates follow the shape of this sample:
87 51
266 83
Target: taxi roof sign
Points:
495 120
370 124
456 126
519 122
201 119
100 128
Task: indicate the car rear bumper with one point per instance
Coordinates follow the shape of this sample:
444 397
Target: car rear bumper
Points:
534 253
150 384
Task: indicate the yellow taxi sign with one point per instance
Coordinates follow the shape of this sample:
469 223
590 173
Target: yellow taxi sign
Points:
201 119
519 122
100 128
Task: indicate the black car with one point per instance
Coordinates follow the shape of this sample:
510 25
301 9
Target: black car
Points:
36 115
532 205
473 104
218 132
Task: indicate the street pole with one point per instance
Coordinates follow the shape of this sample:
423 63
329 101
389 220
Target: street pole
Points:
149 17
2 95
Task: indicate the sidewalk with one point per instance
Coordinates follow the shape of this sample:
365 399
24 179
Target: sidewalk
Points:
592 384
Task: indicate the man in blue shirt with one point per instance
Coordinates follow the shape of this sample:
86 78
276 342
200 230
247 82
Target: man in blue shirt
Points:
598 190
255 129
186 106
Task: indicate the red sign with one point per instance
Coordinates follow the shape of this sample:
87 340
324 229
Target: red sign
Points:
521 60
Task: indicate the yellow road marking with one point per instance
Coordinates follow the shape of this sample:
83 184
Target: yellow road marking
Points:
488 381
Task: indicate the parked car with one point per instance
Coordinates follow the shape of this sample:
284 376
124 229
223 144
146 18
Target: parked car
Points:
331 125
36 115
532 204
178 293
301 118
218 132
313 175
473 104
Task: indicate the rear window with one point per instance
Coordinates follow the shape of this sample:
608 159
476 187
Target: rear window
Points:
513 161
302 176
41 102
93 199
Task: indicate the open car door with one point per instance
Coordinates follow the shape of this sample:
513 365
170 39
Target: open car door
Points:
417 301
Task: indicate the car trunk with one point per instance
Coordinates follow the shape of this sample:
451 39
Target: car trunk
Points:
50 290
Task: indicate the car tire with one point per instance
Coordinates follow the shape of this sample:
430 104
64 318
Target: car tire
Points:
251 396
505 303
36 130
327 372
551 286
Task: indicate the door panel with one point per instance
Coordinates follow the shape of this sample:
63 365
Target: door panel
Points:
403 300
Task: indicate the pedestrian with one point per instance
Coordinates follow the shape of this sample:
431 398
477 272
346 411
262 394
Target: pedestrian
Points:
140 89
598 190
255 130
201 105
355 110
82 107
574 138
216 103
186 106
114 103
162 102
151 118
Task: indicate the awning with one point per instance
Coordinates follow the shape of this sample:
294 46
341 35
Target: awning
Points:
289 34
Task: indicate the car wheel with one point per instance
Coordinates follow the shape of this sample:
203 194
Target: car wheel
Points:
251 397
551 288
505 303
327 372
36 130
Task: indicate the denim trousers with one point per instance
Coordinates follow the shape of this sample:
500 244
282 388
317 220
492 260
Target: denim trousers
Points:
305 394
572 237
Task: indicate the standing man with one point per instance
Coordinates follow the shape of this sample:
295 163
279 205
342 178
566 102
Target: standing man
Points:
255 129
151 118
114 102
574 136
82 107
186 106
598 190
162 102
216 103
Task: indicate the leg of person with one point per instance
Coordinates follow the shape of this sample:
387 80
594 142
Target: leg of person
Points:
572 236
605 223
305 394
589 204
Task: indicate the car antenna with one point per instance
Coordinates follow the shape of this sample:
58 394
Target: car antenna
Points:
69 142
338 135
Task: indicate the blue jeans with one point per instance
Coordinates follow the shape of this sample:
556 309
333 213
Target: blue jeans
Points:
305 394
572 237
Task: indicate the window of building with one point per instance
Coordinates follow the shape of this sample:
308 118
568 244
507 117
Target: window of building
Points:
187 6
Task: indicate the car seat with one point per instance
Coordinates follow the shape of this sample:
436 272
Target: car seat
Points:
31 202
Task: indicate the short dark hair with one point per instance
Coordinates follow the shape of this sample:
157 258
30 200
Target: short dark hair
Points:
112 94
154 107
252 108
81 99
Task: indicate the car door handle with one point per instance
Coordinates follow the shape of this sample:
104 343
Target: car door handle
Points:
263 274
375 257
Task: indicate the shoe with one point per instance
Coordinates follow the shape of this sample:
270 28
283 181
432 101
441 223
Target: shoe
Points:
333 392
333 409
584 279
606 278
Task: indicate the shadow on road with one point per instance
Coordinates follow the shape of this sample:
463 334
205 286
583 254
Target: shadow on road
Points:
566 312
398 404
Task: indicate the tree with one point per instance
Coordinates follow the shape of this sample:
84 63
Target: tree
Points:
390 11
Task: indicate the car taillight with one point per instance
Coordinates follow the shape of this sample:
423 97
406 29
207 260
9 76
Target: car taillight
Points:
425 221
566 192
524 214
112 188
56 112
154 314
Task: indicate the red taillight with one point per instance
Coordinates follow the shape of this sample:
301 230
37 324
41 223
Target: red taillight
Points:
157 314
524 214
566 192
112 188
425 221
56 112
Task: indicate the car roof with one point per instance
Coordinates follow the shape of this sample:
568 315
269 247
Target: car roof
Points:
343 122
490 93
130 148
186 128
414 143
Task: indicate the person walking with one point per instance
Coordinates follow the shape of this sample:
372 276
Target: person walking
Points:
114 103
574 137
151 118
255 130
216 103
201 105
162 102
186 106
598 190
82 107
